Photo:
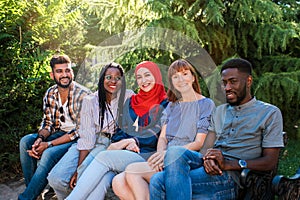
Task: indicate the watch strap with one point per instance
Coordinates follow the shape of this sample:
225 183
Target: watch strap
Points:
50 144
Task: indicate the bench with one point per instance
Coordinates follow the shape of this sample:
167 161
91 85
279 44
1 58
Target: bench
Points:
257 185
287 188
261 185
265 185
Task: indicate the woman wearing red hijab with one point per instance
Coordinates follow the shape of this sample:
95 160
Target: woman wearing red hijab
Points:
134 142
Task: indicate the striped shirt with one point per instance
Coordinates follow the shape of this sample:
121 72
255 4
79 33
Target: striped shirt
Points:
90 123
51 105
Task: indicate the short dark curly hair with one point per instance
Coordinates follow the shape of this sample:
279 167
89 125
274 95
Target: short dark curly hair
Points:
241 64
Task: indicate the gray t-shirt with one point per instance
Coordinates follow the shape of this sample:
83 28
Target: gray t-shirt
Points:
243 131
185 119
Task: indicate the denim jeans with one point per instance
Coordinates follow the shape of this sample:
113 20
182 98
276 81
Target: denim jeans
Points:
97 177
184 177
36 171
60 176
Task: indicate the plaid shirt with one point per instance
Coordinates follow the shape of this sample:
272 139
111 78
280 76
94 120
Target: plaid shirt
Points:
51 106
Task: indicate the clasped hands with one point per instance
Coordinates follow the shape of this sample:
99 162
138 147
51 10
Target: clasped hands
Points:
214 162
156 161
37 149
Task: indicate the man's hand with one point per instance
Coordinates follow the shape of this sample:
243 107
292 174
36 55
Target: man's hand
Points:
38 148
212 168
73 180
33 152
156 161
213 162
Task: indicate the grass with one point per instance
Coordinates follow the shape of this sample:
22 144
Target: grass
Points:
289 160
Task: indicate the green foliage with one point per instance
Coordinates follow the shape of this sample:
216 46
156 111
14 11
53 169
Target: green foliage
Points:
213 13
277 64
251 29
265 32
117 16
283 90
22 83
289 159
25 30
20 99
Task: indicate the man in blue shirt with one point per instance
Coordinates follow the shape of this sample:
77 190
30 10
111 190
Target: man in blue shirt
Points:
244 133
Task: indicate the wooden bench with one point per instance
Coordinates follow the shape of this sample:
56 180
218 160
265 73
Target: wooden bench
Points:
265 185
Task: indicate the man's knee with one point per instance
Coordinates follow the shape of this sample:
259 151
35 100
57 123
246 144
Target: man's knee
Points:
157 182
173 154
27 141
173 150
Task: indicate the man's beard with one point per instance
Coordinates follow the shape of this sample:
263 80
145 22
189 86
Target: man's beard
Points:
61 85
239 97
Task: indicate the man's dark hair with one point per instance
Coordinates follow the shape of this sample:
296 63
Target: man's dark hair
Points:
241 64
61 59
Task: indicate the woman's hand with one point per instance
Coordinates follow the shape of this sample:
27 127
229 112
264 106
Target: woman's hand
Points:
128 144
132 146
156 161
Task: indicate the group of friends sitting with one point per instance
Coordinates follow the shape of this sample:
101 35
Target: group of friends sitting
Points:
153 144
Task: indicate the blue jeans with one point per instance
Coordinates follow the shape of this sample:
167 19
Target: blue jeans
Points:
35 171
184 177
97 177
60 176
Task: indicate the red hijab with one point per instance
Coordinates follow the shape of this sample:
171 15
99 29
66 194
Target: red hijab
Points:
142 102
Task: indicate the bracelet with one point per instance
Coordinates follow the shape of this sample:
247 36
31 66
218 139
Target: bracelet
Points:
41 136
72 136
136 141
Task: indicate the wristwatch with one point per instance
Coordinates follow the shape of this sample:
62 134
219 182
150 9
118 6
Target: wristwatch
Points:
243 164
50 144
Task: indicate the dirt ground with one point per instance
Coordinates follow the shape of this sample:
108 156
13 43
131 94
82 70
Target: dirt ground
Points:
10 189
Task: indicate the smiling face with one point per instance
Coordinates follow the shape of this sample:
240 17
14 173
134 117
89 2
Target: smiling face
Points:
62 74
145 79
112 80
236 85
183 80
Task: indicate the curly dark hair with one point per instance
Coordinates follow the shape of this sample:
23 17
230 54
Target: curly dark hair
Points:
241 64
